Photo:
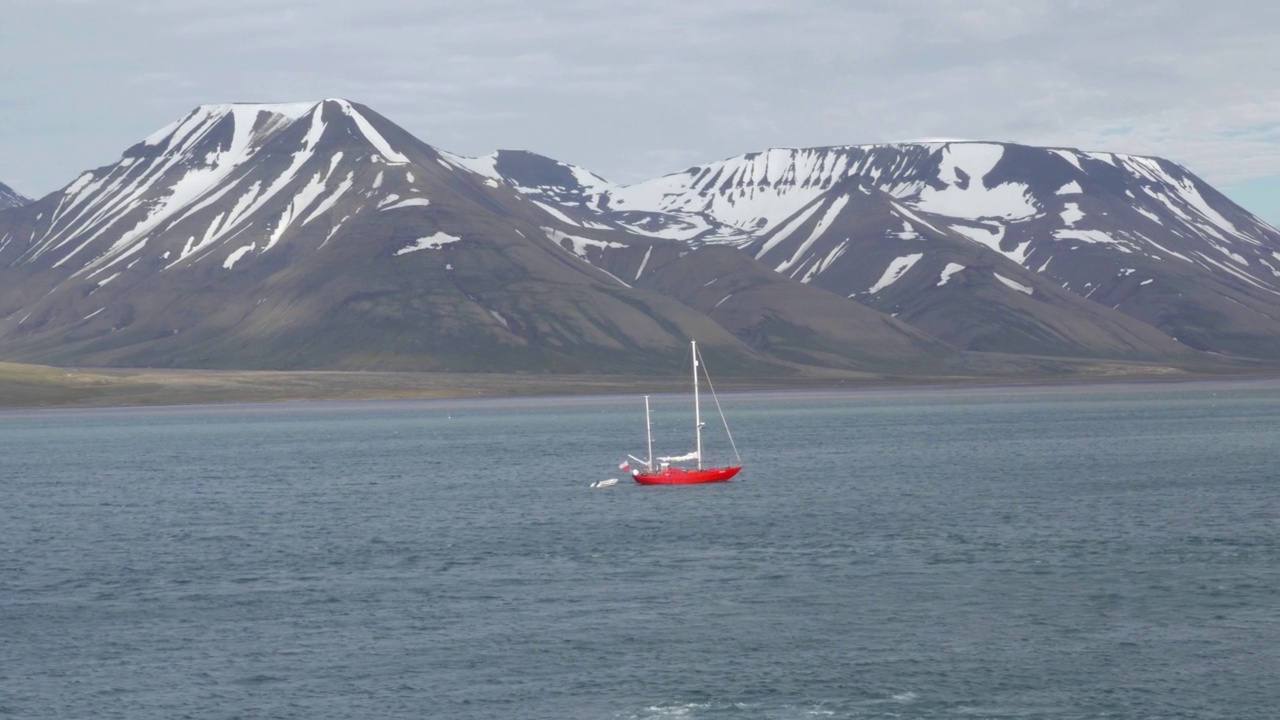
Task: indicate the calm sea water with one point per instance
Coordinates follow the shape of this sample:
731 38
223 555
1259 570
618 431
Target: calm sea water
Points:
1076 552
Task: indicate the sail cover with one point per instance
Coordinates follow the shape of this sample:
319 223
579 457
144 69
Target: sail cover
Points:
681 458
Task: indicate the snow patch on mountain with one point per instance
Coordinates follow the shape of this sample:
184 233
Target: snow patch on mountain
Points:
906 233
327 203
828 217
580 248
962 170
1108 158
576 244
897 268
499 317
1014 285
1191 194
1147 214
992 236
301 201
948 271
593 183
1093 237
1069 156
237 254
643 263
484 166
904 212
1237 273
430 242
373 136
404 203
1233 256
555 213
785 232
818 267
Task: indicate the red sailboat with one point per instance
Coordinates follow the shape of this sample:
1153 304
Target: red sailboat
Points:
664 472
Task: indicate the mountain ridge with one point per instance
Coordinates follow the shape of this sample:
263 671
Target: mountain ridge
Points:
320 235
323 236
1073 217
10 198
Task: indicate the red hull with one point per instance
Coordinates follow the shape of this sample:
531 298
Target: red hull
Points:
680 476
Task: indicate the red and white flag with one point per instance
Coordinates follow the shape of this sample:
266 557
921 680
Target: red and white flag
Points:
625 465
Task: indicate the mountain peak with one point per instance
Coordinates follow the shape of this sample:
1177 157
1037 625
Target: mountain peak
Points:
245 126
230 181
321 234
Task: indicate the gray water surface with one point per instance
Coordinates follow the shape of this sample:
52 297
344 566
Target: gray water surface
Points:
1020 553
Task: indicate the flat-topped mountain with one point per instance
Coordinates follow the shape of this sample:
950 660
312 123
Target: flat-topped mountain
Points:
946 236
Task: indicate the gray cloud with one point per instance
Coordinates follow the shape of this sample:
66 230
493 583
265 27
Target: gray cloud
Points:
635 89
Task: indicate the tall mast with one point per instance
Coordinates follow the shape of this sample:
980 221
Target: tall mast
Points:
697 410
648 430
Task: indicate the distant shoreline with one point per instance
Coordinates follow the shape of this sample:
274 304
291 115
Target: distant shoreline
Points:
32 386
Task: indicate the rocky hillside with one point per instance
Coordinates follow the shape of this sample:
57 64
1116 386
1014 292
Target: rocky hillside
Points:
988 246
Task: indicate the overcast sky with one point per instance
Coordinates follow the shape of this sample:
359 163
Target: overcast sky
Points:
636 89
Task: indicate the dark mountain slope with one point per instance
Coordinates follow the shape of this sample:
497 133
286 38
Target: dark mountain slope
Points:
317 236
798 323
323 236
1136 235
865 244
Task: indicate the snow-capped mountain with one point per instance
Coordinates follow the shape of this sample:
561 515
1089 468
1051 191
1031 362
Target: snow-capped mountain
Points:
916 229
300 235
321 235
10 197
